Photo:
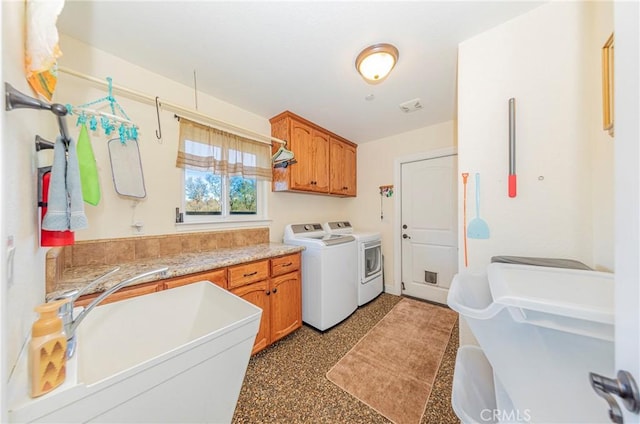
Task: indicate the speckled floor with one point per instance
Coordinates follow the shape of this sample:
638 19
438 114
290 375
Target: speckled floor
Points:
286 382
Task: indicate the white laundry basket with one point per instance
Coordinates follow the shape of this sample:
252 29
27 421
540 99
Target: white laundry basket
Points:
473 395
542 330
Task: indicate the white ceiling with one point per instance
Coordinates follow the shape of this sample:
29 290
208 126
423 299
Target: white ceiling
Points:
268 56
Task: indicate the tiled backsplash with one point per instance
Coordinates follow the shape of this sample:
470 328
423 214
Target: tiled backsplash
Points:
117 251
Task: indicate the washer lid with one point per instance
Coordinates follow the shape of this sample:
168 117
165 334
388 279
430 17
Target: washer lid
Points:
331 239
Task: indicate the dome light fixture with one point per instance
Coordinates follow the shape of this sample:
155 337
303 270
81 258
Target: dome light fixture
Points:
375 62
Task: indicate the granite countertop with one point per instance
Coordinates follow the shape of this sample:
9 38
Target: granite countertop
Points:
179 265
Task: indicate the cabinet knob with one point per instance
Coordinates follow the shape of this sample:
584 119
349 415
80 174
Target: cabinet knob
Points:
275 290
268 292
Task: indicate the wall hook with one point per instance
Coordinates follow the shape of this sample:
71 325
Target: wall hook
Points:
159 130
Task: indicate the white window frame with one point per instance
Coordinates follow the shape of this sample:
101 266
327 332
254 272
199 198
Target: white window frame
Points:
225 219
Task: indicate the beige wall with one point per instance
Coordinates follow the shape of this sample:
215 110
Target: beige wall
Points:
376 162
113 217
544 60
19 200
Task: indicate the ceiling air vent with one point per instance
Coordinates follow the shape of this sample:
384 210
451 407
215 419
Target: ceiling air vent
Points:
411 106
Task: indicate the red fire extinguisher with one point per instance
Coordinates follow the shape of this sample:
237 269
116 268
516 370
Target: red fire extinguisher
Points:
52 238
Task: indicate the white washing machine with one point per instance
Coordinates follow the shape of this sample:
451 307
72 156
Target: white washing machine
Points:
329 274
369 247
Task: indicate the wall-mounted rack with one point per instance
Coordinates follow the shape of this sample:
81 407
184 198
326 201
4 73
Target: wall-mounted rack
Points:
14 99
190 113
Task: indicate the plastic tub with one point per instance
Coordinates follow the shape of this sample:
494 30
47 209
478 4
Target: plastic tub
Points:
473 395
542 333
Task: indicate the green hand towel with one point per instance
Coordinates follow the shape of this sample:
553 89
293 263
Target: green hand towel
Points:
88 169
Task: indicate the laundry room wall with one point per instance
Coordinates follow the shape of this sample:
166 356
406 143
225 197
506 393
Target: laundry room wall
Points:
113 217
549 61
26 289
376 161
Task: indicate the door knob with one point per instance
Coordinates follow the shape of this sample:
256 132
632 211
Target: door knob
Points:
624 387
405 236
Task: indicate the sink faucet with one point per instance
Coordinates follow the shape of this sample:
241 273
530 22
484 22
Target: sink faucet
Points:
65 313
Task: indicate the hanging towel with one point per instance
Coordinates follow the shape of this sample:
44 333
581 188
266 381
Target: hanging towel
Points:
65 209
42 50
77 218
56 218
88 169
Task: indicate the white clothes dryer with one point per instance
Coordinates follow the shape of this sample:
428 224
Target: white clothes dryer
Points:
329 274
369 247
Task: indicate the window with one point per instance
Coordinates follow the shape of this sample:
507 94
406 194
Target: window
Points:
225 176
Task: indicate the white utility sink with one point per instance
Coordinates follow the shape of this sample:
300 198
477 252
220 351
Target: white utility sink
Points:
177 355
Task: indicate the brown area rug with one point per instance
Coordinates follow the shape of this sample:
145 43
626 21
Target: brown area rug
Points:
393 367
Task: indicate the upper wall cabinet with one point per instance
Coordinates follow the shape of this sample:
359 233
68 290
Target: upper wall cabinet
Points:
342 167
326 163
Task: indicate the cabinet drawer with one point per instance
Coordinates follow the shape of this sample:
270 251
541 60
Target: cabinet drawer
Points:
285 264
240 275
218 276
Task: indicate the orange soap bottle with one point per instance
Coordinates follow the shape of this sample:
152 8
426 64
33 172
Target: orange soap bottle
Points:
47 350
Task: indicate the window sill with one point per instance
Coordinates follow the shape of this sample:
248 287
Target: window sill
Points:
214 225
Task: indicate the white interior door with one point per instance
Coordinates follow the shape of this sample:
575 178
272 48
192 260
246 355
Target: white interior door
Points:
429 227
627 210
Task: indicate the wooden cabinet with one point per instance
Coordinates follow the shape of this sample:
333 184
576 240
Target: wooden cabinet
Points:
258 294
284 265
279 296
218 277
314 170
342 175
240 275
286 305
122 294
311 148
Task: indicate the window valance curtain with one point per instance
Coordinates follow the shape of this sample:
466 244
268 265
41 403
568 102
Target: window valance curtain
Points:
208 149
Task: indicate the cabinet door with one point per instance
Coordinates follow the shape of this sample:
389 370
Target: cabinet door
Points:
286 305
320 161
342 166
336 166
219 277
301 144
258 294
350 170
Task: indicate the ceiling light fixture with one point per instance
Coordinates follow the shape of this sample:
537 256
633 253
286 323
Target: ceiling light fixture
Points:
375 62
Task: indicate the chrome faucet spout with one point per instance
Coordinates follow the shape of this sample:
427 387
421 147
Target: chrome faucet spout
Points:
71 323
76 321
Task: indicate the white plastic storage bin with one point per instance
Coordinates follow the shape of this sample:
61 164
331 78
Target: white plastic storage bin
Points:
542 330
473 395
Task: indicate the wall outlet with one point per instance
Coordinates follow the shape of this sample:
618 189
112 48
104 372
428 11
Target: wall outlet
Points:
138 228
